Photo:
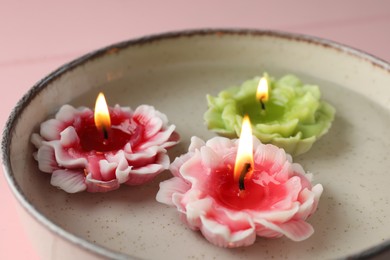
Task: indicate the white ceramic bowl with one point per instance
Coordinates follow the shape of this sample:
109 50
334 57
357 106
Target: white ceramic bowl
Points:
174 72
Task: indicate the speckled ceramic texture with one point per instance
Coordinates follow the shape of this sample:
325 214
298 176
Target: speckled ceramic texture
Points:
174 72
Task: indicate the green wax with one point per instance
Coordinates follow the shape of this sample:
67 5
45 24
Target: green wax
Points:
272 112
293 119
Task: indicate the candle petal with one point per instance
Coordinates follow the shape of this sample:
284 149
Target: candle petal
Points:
144 156
143 174
195 210
65 159
46 158
123 169
146 115
296 230
277 216
150 169
51 129
69 137
67 113
267 131
220 235
194 171
196 144
300 172
210 160
220 143
94 185
284 173
309 201
36 140
159 139
177 163
107 170
293 187
68 180
169 188
172 140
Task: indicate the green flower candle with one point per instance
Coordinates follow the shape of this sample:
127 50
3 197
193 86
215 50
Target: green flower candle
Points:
290 115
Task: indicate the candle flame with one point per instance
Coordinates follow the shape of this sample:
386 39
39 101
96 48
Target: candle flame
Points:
244 158
262 90
102 115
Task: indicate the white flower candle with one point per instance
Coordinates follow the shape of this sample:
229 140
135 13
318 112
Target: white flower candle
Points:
83 152
271 198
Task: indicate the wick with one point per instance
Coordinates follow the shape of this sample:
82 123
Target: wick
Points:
262 104
105 133
244 172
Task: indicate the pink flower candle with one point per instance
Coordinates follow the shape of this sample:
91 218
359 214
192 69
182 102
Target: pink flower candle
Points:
267 195
97 152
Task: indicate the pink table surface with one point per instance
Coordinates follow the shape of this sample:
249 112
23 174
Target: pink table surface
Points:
39 36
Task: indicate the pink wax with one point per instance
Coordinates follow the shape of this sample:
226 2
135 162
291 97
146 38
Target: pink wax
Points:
92 139
225 191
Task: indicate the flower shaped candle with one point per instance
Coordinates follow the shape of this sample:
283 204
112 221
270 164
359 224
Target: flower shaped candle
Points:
98 151
233 196
289 115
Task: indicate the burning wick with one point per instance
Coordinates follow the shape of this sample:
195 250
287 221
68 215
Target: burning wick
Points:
262 104
247 168
102 115
105 133
262 92
243 167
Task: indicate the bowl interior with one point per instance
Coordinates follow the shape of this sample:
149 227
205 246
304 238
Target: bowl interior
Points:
174 73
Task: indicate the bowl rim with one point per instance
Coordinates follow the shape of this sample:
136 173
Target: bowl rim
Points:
12 120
